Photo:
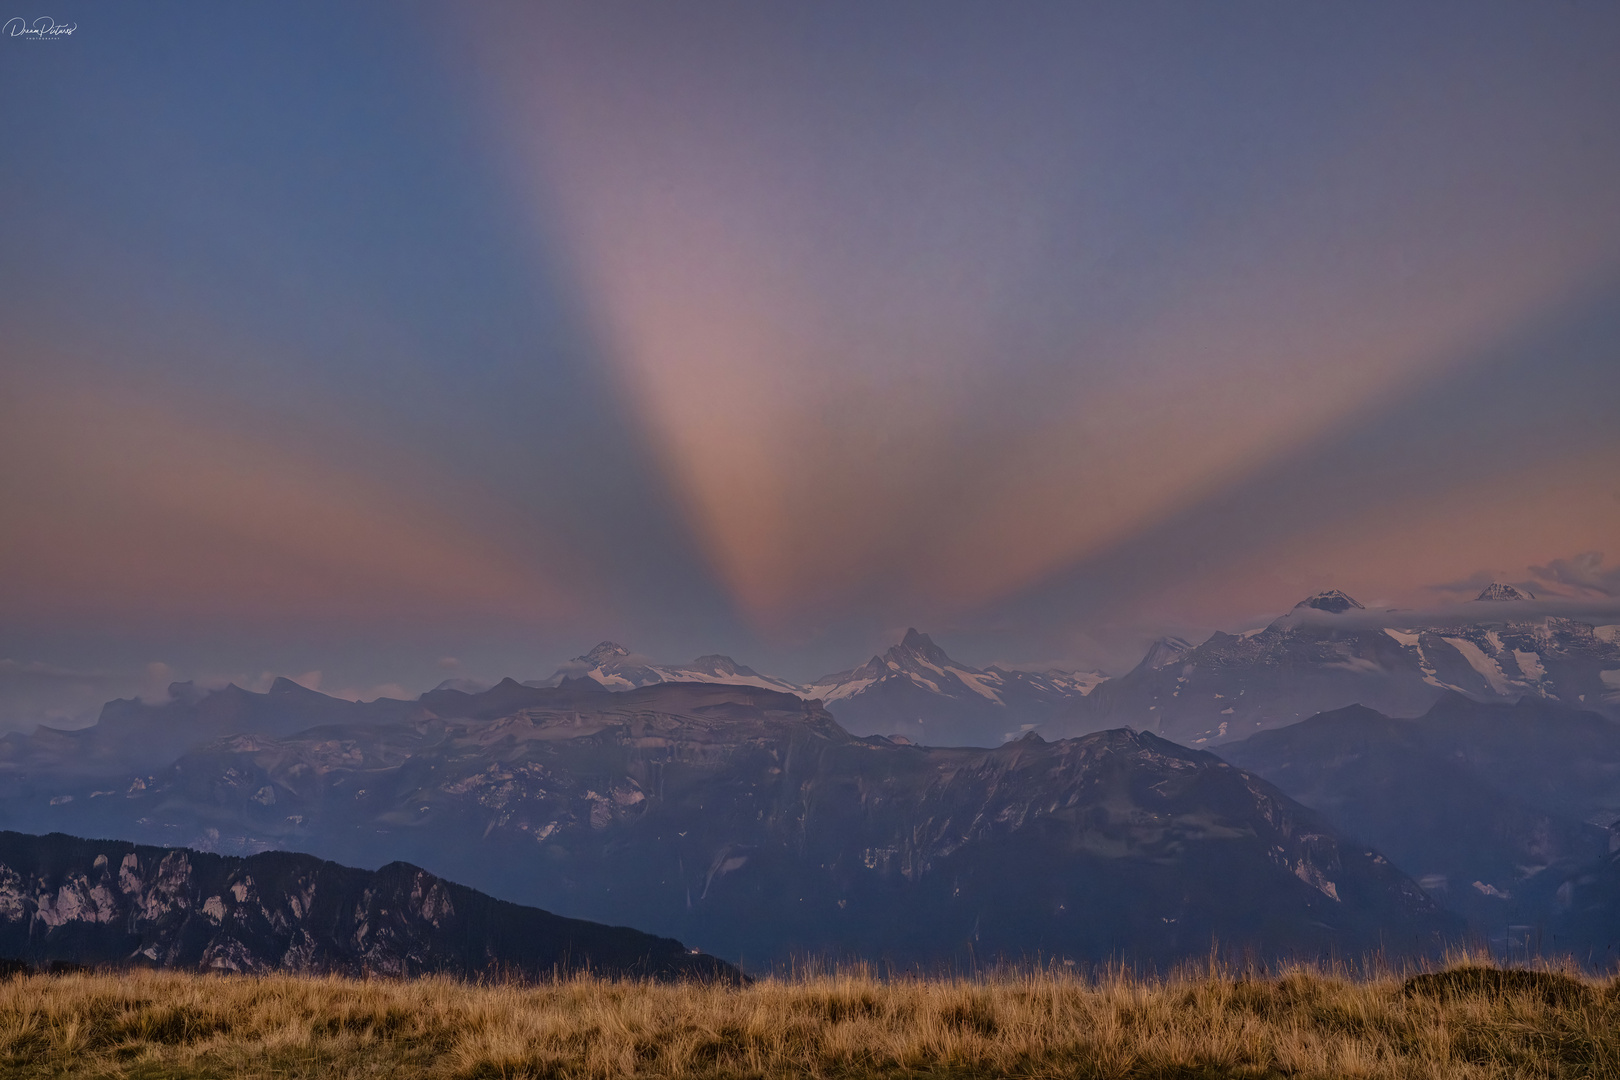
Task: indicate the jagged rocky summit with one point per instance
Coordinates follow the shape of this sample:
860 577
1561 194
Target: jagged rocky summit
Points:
916 690
751 824
103 903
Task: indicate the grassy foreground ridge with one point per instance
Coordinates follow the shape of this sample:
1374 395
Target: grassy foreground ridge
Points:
1305 1022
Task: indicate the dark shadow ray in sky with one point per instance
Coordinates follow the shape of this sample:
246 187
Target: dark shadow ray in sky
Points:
1543 396
917 309
274 317
278 218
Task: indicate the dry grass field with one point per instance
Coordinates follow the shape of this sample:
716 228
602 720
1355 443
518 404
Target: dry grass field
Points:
1303 1022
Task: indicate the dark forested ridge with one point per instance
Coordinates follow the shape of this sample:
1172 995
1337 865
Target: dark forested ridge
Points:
108 903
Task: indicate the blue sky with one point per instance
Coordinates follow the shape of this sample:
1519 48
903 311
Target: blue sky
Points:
363 339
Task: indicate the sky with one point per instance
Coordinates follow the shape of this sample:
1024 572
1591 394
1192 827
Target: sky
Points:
375 344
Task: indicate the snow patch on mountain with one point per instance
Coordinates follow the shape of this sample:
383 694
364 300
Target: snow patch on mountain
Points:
1488 668
1530 665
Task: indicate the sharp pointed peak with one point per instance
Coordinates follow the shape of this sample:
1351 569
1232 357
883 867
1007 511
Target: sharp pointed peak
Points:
1331 601
917 643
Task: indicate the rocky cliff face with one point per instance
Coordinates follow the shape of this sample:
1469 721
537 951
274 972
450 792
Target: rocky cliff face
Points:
751 824
105 903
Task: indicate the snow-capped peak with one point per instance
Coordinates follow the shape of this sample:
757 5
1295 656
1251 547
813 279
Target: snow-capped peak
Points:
1498 591
1331 601
923 645
606 653
918 679
718 664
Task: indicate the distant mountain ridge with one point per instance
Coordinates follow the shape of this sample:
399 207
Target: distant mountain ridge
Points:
106 903
134 734
616 668
914 689
1328 652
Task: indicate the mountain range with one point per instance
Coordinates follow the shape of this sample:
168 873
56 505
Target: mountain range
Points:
914 690
749 823
1434 776
103 903
1327 653
616 668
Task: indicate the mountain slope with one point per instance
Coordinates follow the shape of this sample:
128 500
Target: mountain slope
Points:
1492 807
105 903
751 824
1587 921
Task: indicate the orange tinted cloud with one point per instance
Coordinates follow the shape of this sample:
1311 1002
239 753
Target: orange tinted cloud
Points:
1396 554
119 506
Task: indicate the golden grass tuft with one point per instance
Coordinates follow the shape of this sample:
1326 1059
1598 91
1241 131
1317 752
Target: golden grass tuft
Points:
1300 1022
